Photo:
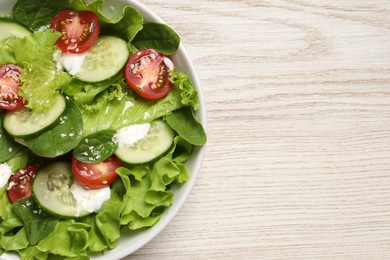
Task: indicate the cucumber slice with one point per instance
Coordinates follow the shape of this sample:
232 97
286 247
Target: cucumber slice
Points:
51 189
23 123
151 146
11 28
104 59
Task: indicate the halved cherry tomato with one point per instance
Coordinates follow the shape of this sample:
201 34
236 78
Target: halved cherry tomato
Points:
9 87
19 186
79 30
96 175
147 73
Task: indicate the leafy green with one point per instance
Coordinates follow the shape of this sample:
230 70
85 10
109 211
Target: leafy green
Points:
147 189
8 147
83 93
128 26
62 138
184 122
40 76
69 238
157 36
108 220
32 252
16 241
19 160
8 218
6 53
96 147
108 113
112 93
139 207
189 96
36 222
125 25
37 14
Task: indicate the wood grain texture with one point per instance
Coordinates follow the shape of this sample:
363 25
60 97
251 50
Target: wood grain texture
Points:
298 102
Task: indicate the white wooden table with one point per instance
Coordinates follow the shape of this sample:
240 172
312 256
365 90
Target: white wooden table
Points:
298 158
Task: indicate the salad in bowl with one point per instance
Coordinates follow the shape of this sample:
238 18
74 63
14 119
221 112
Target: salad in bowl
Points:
102 128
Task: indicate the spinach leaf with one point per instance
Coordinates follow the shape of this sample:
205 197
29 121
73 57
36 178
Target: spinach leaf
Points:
37 223
8 147
19 160
62 138
184 122
96 147
159 37
37 14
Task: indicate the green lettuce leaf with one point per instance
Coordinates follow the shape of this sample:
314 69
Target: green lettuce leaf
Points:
83 93
122 107
40 76
189 96
69 238
148 187
32 252
140 200
16 241
6 53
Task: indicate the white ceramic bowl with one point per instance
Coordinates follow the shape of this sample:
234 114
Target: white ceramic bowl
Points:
130 243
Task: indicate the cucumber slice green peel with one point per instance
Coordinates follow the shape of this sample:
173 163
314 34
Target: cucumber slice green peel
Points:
152 146
105 59
25 123
51 189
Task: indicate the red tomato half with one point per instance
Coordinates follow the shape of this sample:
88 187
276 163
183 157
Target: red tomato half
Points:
96 175
9 87
20 183
147 73
79 30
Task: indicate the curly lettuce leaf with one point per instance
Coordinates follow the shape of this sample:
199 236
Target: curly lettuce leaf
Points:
40 76
107 221
69 238
147 188
33 253
16 241
120 108
83 93
189 96
141 201
106 225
